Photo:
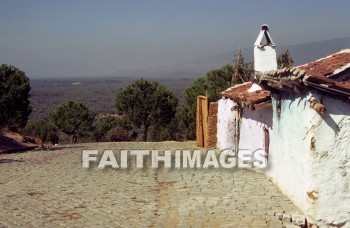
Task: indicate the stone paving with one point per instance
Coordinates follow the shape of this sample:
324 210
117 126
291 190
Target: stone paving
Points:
50 189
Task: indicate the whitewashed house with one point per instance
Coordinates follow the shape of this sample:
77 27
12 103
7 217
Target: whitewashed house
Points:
245 110
301 117
310 160
244 118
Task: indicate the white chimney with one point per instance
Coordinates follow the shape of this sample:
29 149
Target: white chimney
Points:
265 55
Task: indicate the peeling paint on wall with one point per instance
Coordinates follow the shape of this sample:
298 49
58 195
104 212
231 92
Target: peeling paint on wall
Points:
310 161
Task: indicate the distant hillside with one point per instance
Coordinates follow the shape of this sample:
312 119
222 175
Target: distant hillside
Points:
301 53
312 51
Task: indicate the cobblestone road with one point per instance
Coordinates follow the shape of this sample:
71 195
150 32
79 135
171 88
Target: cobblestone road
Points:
50 188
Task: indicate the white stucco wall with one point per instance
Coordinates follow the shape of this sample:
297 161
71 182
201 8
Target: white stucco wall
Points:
252 135
315 176
226 124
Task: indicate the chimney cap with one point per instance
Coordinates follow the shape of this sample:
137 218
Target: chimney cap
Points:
264 31
265 27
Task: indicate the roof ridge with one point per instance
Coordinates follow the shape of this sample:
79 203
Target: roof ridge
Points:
343 51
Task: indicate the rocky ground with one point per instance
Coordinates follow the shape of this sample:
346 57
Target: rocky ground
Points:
50 188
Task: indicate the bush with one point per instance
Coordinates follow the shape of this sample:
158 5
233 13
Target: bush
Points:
118 134
112 129
168 132
42 130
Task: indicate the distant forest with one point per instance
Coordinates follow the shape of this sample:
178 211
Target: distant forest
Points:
97 94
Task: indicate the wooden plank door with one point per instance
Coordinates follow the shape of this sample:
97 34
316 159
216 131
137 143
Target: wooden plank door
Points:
202 121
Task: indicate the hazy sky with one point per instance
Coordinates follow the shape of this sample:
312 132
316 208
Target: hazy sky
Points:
97 37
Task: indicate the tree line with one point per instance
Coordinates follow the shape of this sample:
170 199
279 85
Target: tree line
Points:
145 110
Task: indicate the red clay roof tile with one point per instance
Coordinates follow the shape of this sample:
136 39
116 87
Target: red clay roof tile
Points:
240 93
328 66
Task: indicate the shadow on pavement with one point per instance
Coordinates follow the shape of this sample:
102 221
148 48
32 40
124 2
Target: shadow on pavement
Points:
9 160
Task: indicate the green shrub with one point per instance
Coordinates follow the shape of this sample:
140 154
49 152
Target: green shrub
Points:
43 130
112 129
